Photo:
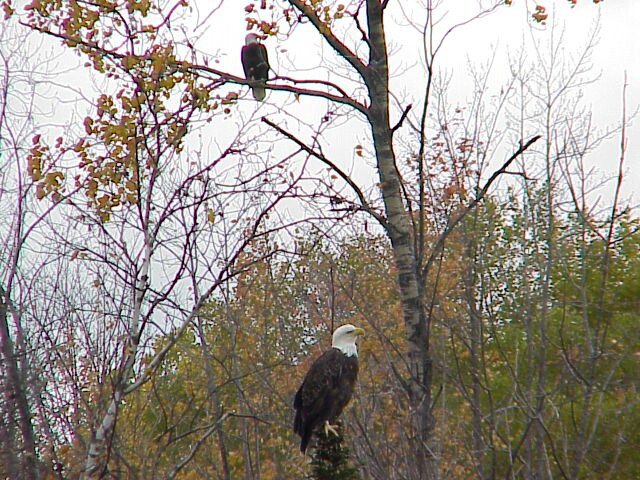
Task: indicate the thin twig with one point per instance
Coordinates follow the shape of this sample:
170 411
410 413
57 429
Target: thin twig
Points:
364 204
194 449
339 47
452 224
402 118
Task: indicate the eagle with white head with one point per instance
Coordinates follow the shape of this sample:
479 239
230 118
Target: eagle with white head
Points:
328 385
255 63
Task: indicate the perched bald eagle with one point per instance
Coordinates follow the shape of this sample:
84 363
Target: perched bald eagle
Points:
328 385
255 63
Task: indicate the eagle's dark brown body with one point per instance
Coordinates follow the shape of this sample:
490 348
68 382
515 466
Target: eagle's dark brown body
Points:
325 391
255 63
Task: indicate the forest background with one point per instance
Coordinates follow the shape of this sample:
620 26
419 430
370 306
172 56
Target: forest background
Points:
175 254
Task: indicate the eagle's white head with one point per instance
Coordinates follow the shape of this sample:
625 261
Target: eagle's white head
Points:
344 339
251 38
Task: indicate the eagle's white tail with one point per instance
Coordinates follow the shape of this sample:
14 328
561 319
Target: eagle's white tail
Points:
259 93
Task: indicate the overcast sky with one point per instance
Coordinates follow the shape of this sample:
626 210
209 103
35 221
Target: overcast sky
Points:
616 53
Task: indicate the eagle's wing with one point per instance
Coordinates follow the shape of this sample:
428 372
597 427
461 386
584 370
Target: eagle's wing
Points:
244 55
255 62
316 398
325 391
264 70
315 386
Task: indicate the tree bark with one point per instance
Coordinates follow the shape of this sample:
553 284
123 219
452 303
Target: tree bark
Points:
15 397
399 230
205 349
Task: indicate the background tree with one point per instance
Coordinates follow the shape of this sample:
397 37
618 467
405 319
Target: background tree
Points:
26 87
183 333
145 231
528 335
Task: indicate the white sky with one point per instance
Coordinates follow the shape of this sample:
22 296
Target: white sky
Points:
617 52
221 35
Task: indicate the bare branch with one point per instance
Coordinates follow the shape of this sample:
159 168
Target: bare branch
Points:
402 118
452 224
196 446
324 30
364 204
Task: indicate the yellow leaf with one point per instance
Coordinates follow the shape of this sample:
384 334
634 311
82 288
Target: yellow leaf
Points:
40 193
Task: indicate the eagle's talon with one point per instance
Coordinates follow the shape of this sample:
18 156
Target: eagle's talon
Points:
330 428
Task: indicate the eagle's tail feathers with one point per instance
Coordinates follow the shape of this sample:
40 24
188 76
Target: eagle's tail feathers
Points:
297 422
304 442
259 93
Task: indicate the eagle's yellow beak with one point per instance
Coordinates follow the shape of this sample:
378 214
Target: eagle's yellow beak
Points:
358 331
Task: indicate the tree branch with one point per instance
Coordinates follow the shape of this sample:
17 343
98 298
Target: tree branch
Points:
196 446
321 82
225 77
222 77
452 224
324 30
365 37
402 118
364 204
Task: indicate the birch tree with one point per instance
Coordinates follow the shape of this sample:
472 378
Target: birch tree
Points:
26 87
151 228
356 34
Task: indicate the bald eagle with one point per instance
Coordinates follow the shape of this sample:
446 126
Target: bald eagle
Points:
327 386
255 63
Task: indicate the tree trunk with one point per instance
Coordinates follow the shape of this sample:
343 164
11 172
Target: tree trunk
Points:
399 230
475 352
213 398
15 398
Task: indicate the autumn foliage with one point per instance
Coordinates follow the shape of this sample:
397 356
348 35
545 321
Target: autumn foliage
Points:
177 284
